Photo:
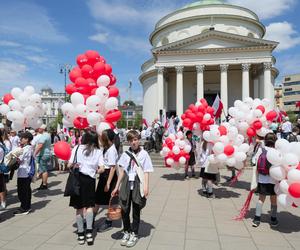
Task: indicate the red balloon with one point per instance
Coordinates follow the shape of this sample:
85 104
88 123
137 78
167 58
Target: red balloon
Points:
84 90
271 115
80 123
257 125
187 122
92 57
101 59
87 71
261 108
74 74
113 92
201 109
113 116
99 69
298 167
210 110
113 79
171 154
93 92
62 150
199 117
108 69
70 89
81 82
251 132
193 108
183 116
228 150
7 97
192 117
81 60
223 130
294 190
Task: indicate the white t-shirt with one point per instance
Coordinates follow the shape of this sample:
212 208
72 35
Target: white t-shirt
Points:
88 165
264 179
8 145
286 127
15 141
145 160
25 158
35 139
110 157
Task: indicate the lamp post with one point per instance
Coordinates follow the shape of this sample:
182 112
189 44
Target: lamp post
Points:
65 69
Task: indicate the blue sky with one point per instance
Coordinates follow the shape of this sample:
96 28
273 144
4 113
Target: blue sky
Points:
38 35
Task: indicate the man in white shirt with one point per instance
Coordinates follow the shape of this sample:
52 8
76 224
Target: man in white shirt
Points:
286 127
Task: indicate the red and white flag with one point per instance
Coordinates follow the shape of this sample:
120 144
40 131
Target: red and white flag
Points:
218 107
145 122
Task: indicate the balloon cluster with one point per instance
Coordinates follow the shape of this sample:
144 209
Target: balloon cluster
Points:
198 116
175 150
285 169
94 99
228 145
252 117
23 108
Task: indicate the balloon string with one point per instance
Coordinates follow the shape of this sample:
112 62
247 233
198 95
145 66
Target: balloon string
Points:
245 208
236 178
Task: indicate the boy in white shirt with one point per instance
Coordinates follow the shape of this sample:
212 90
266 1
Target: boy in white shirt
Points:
135 186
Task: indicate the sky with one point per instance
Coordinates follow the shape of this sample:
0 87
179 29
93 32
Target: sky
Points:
37 36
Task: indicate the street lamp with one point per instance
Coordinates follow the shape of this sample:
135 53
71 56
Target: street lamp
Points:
65 69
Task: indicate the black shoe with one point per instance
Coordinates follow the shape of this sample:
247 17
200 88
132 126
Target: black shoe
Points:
89 237
186 177
80 238
204 192
43 187
256 221
21 211
106 226
210 195
274 222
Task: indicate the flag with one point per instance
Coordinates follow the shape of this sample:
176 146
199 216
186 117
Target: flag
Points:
218 107
145 122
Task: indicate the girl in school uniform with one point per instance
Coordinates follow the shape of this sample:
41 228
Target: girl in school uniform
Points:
192 161
88 158
108 178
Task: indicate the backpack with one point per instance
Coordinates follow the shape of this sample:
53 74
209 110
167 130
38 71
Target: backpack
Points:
32 167
3 167
291 138
263 165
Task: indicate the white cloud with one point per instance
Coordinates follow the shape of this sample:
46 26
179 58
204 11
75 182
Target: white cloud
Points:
266 9
5 43
11 71
25 19
284 33
36 59
100 37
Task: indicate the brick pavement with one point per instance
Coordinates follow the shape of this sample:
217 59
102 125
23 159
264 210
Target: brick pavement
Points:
176 217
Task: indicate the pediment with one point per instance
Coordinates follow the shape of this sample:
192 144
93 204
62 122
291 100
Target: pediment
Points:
215 40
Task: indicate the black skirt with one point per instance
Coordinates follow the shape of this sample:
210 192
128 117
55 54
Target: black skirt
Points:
102 198
266 189
192 160
208 176
87 193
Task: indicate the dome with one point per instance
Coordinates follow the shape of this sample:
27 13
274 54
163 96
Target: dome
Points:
203 2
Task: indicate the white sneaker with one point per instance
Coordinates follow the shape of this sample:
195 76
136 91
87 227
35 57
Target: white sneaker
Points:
132 240
125 238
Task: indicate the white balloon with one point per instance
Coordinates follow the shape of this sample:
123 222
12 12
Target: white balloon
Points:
66 123
29 111
222 157
277 173
93 118
274 157
182 144
207 117
290 159
239 140
176 150
187 148
244 148
170 161
180 135
256 102
29 90
111 103
206 136
277 189
166 150
238 103
182 160
172 137
239 165
102 126
295 149
35 99
103 93
266 102
257 113
4 109
248 101
218 148
66 107
243 126
262 132
232 111
232 132
284 187
240 115
231 162
77 98
293 176
81 110
23 98
212 159
240 156
214 134
232 121
103 80
14 105
284 200
224 139
15 92
93 102
282 145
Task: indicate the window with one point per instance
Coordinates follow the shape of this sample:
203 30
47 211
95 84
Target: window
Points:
251 35
53 112
287 79
130 113
292 93
290 103
164 41
291 83
288 89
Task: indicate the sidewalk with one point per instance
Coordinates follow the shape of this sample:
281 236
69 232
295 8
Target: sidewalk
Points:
176 217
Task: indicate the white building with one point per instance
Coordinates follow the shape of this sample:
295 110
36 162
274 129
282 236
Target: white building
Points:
204 49
53 102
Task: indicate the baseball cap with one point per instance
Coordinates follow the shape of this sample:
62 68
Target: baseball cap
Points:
43 126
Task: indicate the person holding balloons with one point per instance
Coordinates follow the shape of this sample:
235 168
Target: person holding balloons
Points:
266 184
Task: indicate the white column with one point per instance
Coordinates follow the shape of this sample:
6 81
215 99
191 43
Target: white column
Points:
268 86
224 86
200 81
245 82
256 87
160 89
261 86
179 90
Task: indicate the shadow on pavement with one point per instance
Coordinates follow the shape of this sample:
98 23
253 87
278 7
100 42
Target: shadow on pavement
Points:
174 177
47 192
221 193
239 184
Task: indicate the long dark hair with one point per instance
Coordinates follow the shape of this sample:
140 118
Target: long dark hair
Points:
90 140
270 140
1 136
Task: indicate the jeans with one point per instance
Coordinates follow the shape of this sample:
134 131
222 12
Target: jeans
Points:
24 192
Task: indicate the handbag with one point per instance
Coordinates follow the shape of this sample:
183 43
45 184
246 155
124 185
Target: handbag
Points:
139 171
72 187
114 212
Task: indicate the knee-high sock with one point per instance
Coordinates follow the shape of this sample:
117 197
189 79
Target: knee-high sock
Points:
258 210
89 219
79 221
274 211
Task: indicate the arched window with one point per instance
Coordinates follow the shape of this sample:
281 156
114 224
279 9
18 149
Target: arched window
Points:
164 41
251 35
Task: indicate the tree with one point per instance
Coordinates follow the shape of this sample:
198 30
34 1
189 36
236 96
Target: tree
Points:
122 122
138 121
58 120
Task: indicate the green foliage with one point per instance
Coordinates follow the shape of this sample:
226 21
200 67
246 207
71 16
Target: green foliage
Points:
58 120
121 123
292 116
138 121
